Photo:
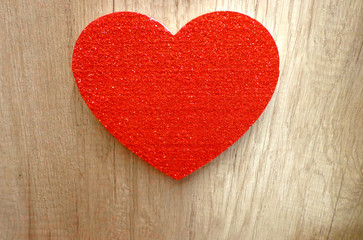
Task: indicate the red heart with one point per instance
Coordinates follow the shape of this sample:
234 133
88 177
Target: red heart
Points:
177 101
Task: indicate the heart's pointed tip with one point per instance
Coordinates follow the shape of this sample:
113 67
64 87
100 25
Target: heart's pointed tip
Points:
176 176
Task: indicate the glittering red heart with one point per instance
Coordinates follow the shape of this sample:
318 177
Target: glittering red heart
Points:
177 101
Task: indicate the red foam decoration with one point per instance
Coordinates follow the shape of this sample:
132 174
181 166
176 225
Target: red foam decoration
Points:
177 101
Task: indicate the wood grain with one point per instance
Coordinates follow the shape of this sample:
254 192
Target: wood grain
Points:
296 174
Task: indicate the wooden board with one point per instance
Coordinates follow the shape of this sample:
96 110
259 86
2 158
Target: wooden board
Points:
296 174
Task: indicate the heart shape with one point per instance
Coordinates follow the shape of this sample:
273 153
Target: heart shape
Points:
177 101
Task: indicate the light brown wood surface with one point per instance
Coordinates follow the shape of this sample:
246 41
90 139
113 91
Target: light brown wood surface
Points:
296 174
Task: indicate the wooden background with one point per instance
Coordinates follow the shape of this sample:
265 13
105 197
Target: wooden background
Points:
296 174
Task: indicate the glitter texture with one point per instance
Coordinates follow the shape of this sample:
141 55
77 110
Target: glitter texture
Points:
177 101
